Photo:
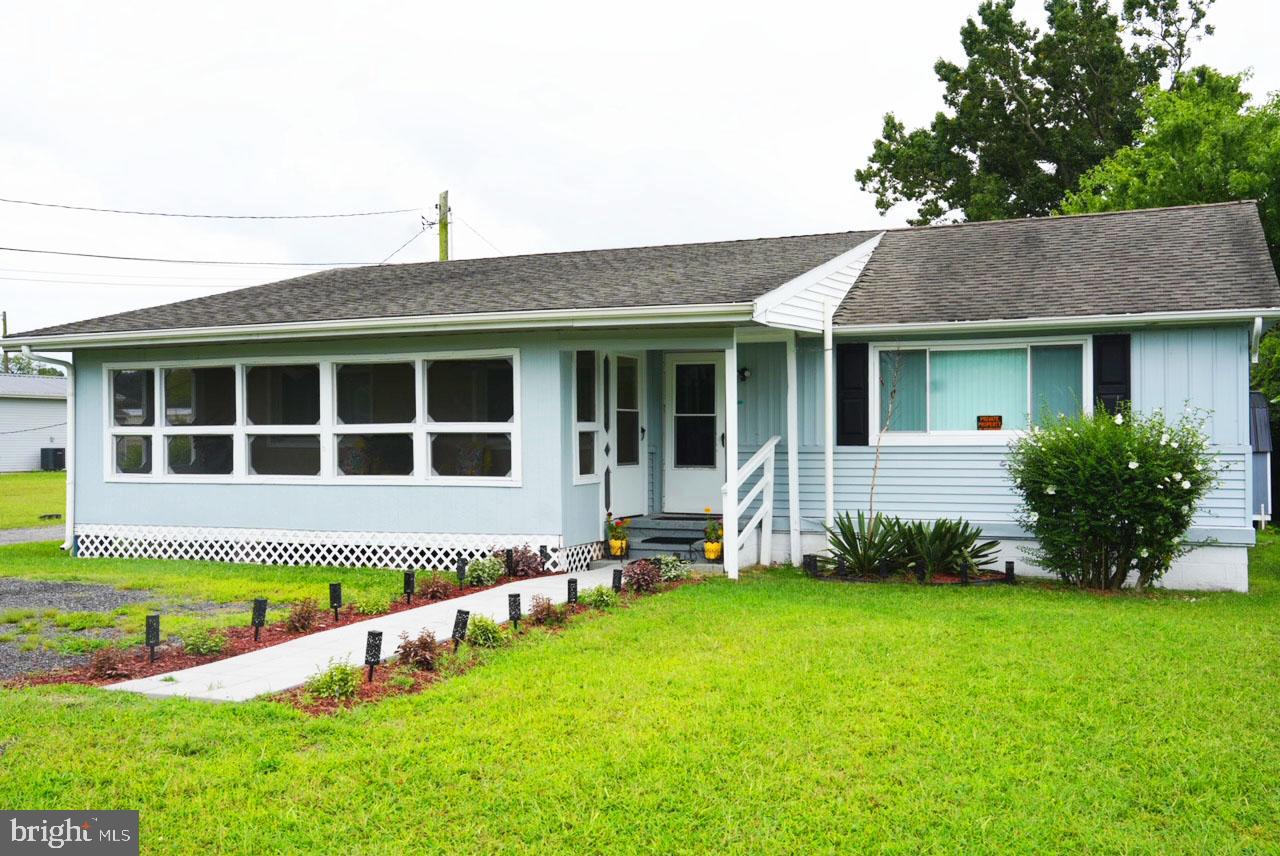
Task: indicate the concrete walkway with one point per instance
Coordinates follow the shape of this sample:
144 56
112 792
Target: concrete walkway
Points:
281 667
32 535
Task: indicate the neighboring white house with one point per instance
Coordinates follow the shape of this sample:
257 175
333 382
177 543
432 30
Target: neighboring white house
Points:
33 416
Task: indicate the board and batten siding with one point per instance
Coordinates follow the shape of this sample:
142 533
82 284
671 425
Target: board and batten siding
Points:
1205 368
533 508
28 425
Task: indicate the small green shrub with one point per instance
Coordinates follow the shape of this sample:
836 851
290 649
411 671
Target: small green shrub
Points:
420 652
1110 497
400 681
484 632
544 613
867 546
642 575
600 597
372 605
486 571
673 568
303 615
435 586
340 680
204 640
945 547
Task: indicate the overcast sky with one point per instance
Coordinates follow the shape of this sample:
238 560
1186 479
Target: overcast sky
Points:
554 126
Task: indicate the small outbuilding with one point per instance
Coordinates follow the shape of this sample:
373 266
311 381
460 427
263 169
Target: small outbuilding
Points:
33 418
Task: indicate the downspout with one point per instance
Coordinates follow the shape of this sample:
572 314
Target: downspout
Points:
828 414
69 544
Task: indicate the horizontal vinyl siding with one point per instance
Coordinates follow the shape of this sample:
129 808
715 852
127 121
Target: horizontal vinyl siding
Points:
24 431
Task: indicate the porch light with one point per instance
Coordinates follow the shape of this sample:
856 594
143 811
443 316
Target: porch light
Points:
373 651
335 598
460 628
153 634
573 590
410 580
513 609
744 374
259 617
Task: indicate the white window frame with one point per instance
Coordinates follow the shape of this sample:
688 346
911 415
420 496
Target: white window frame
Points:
973 437
327 428
595 426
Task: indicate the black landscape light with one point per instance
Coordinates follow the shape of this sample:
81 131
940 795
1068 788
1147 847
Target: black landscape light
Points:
964 573
461 565
1008 573
460 628
335 598
153 633
373 651
617 579
842 567
573 590
809 562
410 579
545 554
259 616
511 561
513 609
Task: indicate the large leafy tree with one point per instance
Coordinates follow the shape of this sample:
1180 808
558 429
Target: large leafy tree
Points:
1029 112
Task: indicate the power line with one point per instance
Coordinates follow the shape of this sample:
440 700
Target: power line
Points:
184 261
38 428
166 277
477 233
416 236
131 284
208 216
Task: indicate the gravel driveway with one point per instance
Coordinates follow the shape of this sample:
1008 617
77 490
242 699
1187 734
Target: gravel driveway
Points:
26 536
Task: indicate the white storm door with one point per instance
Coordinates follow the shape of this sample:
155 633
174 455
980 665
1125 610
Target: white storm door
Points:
693 459
629 445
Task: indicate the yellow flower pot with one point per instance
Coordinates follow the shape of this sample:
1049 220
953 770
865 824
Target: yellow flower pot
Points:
617 546
711 549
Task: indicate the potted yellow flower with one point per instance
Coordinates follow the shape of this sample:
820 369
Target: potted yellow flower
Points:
713 546
617 535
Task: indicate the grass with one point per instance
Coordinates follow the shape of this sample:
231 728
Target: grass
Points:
778 714
25 496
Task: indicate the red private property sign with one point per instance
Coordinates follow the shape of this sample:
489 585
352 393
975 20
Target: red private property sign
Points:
990 423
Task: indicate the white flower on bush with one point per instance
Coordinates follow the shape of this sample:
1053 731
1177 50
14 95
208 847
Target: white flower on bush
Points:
1160 486
1119 418
1133 465
1174 444
1199 466
1164 438
1051 490
1143 552
1186 485
1177 476
1185 509
1035 515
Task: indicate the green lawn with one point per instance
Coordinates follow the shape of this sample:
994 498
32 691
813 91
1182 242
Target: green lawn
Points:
774 715
25 496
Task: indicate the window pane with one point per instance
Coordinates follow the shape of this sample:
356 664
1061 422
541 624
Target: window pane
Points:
695 441
628 437
133 455
284 455
964 385
695 388
628 383
283 395
133 397
470 391
586 453
903 388
375 454
471 454
1057 374
607 391
199 454
585 384
200 396
376 393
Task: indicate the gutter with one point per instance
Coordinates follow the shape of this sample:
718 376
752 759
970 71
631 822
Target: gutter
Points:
1060 322
725 313
69 514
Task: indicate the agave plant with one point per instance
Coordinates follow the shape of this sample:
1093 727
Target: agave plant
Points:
867 546
946 547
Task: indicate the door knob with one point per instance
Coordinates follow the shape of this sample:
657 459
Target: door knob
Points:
641 432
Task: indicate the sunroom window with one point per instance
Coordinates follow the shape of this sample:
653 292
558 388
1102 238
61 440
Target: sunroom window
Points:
471 417
958 389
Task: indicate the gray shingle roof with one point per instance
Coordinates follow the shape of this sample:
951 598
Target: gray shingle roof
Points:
32 386
1168 259
1192 258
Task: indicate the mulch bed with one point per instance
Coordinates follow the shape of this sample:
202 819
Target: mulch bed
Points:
170 657
387 682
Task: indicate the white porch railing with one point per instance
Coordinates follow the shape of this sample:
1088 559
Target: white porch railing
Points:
735 539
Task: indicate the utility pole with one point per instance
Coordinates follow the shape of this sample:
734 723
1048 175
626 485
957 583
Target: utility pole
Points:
443 208
4 333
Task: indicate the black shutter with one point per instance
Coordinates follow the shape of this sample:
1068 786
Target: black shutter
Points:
1111 370
852 398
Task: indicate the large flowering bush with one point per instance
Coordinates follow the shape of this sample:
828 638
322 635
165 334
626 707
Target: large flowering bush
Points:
1110 496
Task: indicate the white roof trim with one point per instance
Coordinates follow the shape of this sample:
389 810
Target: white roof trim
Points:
798 303
709 313
1065 321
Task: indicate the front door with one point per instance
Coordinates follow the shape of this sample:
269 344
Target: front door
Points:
693 459
628 455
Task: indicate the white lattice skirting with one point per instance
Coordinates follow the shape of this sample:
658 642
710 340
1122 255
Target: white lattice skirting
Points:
393 550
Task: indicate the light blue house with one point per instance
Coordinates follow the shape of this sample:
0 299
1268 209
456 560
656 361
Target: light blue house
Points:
402 415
